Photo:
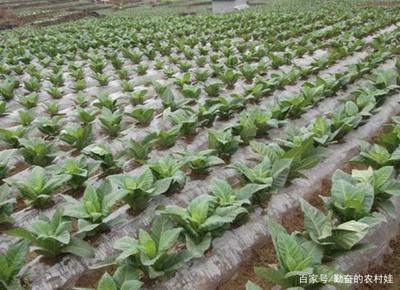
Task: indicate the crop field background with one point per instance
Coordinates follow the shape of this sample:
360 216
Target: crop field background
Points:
154 145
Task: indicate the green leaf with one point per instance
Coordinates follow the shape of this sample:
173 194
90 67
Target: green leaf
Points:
79 248
107 283
168 239
128 246
317 225
387 207
131 285
247 191
348 234
252 286
22 233
197 250
280 169
125 273
16 254
272 275
149 246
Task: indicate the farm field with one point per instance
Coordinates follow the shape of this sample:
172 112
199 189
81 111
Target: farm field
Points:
237 151
39 13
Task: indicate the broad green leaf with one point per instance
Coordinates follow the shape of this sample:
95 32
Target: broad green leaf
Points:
317 225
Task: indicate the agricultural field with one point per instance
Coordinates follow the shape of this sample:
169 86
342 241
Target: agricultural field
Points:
248 150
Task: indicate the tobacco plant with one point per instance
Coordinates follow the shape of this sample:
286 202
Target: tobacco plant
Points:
224 142
202 220
52 237
7 201
11 263
38 186
168 170
37 151
93 211
78 169
154 252
200 162
137 190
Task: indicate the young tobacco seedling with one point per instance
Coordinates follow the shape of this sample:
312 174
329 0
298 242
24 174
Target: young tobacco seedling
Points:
245 128
7 89
3 108
93 210
111 121
168 170
208 112
304 154
138 98
202 220
167 138
55 92
7 201
77 136
345 118
185 119
153 252
143 114
86 116
12 136
139 150
51 237
332 237
354 196
105 101
37 151
52 108
25 118
191 92
38 186
11 263
322 131
100 152
273 174
224 142
29 101
376 155
200 162
230 77
295 257
49 126
227 196
123 279
139 189
168 100
227 105
5 156
78 169
213 89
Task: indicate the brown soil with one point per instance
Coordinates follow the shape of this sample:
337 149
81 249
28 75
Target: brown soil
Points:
379 4
91 278
70 17
8 19
390 265
20 204
385 129
262 256
20 166
31 256
350 166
